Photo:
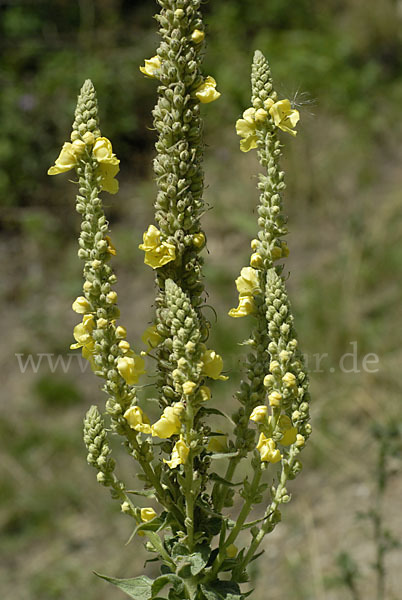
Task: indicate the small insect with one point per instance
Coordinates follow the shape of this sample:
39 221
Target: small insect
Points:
301 99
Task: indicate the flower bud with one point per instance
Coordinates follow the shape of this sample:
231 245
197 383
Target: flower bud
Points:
189 387
275 399
259 414
256 260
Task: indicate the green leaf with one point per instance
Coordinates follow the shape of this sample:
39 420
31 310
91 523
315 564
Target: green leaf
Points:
160 582
139 588
219 479
190 564
222 590
147 493
218 455
213 411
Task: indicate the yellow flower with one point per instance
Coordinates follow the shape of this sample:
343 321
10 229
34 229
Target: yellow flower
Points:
289 432
199 240
213 365
197 36
108 165
259 414
275 399
152 67
107 172
157 253
68 157
246 307
137 420
124 346
88 138
283 115
189 387
206 92
169 424
88 353
276 253
147 514
269 380
246 128
179 454
151 337
260 114
111 297
231 551
248 283
81 305
110 248
205 393
103 152
131 368
300 440
121 332
256 260
267 449
218 443
285 249
82 333
125 507
289 379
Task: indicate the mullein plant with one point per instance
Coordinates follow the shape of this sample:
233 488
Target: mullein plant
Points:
188 527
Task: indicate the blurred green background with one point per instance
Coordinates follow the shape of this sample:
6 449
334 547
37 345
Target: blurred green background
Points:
341 61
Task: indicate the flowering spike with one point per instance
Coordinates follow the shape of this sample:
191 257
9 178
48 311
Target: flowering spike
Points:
95 438
86 113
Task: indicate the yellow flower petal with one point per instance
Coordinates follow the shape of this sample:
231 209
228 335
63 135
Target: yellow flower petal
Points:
249 282
213 365
244 128
284 116
107 172
267 449
206 92
152 67
103 152
189 387
151 238
147 514
259 414
179 454
249 143
169 424
131 368
205 393
197 36
151 337
159 256
81 305
137 419
66 160
110 248
246 307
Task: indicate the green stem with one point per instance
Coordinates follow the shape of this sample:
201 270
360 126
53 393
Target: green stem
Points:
150 473
270 513
219 491
241 519
189 492
151 535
